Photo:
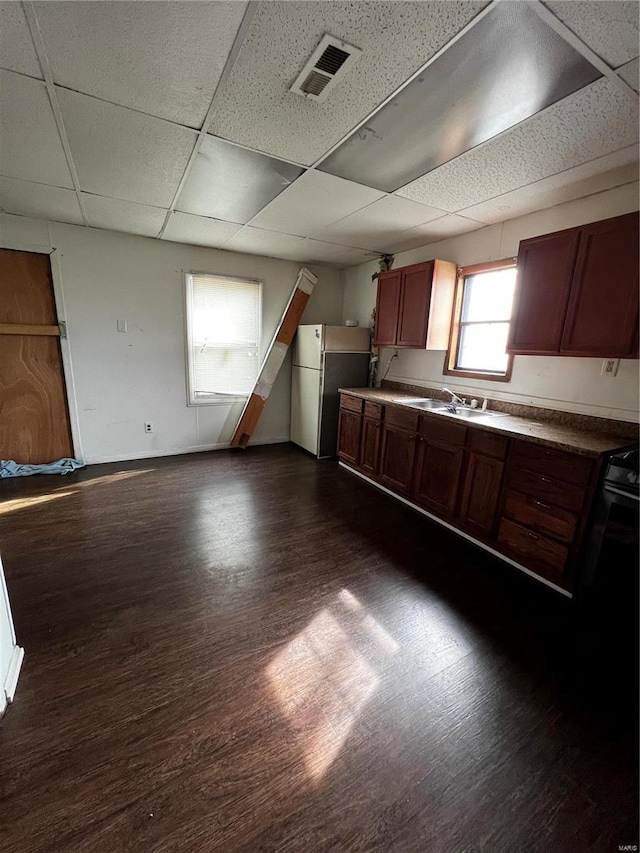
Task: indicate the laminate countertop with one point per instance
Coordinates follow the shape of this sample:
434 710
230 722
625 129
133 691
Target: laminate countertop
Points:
562 436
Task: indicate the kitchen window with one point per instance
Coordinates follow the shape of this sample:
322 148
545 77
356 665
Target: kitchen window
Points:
481 318
223 338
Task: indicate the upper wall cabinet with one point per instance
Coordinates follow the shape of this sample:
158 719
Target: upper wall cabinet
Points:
414 305
577 292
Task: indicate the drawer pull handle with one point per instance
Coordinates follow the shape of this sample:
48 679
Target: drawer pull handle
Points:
532 535
546 480
543 505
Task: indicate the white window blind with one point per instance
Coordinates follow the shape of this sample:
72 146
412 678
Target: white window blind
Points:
223 337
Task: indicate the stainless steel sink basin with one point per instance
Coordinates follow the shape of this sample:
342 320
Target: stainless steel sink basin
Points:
423 402
473 413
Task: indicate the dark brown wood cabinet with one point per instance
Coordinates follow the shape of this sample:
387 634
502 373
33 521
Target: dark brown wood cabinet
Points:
602 314
414 304
577 292
371 439
546 501
398 449
387 308
545 269
527 501
482 483
440 456
349 429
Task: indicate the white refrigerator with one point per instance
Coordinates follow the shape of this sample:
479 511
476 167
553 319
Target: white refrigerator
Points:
325 358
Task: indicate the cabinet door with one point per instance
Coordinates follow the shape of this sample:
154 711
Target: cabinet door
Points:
397 458
545 269
480 494
349 427
370 446
387 307
602 317
437 476
415 301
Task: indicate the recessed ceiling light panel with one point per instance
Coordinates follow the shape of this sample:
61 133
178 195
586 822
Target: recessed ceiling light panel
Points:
503 70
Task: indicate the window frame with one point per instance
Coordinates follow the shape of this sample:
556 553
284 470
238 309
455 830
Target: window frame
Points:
224 399
451 355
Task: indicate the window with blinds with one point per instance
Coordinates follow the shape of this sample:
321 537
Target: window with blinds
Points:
223 337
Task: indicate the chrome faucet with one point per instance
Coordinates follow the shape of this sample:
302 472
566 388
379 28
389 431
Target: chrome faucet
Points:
455 398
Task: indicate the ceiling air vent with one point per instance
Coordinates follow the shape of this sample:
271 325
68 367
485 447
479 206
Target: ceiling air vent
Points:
328 64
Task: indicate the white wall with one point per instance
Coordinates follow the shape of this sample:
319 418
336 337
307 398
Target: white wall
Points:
118 381
568 384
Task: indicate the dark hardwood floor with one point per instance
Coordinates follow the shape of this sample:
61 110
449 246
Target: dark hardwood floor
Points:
253 651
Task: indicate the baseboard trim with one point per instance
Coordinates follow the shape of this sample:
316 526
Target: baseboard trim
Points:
155 454
457 531
11 681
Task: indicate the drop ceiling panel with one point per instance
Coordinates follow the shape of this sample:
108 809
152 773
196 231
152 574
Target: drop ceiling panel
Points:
356 256
116 215
198 230
164 59
598 120
17 52
448 226
607 172
232 183
313 202
29 139
256 108
39 201
630 73
609 28
319 250
124 154
507 67
256 241
375 226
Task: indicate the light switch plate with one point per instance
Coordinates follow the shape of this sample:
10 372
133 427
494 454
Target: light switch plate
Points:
122 325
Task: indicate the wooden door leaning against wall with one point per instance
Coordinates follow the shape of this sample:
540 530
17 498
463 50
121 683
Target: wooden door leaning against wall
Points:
34 416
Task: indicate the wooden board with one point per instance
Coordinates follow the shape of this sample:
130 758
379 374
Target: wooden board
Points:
34 419
34 425
281 342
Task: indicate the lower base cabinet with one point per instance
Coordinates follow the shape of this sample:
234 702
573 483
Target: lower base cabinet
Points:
371 438
483 483
526 501
439 464
397 457
349 430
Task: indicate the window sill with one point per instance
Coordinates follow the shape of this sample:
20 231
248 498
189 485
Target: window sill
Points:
473 374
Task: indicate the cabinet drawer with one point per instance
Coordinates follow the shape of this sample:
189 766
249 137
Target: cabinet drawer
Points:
487 443
533 548
558 464
351 404
440 429
372 410
541 516
547 489
402 418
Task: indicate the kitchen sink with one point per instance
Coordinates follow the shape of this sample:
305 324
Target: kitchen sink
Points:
423 403
472 413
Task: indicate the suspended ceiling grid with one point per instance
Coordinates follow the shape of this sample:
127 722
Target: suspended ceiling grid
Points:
175 120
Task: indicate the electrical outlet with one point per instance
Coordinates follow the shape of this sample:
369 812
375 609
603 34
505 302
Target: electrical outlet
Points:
148 427
610 367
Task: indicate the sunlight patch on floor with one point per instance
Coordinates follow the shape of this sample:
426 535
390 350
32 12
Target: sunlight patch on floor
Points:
323 678
34 500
